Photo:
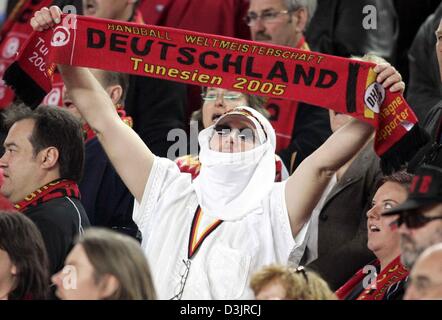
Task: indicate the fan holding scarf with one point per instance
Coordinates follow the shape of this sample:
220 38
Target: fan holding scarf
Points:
205 238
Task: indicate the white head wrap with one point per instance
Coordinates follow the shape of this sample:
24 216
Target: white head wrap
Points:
232 185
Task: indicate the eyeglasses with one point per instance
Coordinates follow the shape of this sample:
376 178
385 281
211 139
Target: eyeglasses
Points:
266 17
227 96
302 270
413 220
184 276
245 134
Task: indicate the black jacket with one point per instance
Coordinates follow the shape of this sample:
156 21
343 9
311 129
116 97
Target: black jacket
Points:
424 89
59 221
431 153
337 28
107 201
156 107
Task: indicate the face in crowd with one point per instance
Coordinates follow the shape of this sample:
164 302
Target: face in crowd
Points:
218 101
109 9
270 21
77 281
422 228
382 240
8 272
23 170
234 134
425 281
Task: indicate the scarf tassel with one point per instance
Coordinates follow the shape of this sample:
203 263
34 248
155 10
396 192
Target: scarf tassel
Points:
24 86
403 151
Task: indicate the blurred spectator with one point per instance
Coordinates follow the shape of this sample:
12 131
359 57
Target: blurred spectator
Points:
432 153
277 282
337 28
411 15
419 219
216 102
386 275
105 198
105 265
337 240
425 89
425 282
300 128
42 164
24 270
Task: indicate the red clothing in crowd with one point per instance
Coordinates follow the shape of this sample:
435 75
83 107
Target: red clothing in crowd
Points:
221 17
300 128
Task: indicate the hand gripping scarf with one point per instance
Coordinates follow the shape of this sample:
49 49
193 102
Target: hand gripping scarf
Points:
344 85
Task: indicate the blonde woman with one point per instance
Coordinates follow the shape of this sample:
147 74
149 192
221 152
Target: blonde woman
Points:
278 282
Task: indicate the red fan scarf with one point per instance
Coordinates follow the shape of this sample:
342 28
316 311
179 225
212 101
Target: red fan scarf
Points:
393 273
344 85
13 35
53 190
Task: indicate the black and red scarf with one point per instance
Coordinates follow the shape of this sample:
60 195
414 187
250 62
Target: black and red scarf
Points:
344 85
392 274
13 35
53 190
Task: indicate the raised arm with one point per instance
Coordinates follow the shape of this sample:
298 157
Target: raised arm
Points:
305 186
131 158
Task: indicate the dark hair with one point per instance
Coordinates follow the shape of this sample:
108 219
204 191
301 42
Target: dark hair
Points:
54 127
23 242
115 78
120 256
401 177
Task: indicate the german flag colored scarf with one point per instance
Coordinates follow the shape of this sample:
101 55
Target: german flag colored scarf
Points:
14 34
53 190
344 85
393 273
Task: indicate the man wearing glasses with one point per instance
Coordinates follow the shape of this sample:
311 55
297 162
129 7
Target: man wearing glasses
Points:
300 128
420 217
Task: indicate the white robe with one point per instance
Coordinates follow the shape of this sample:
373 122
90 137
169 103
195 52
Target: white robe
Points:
222 267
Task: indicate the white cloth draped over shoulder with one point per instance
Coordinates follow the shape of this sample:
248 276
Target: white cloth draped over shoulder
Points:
236 189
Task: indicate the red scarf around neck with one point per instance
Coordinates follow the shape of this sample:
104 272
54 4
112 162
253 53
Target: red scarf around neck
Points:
344 85
53 190
391 274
